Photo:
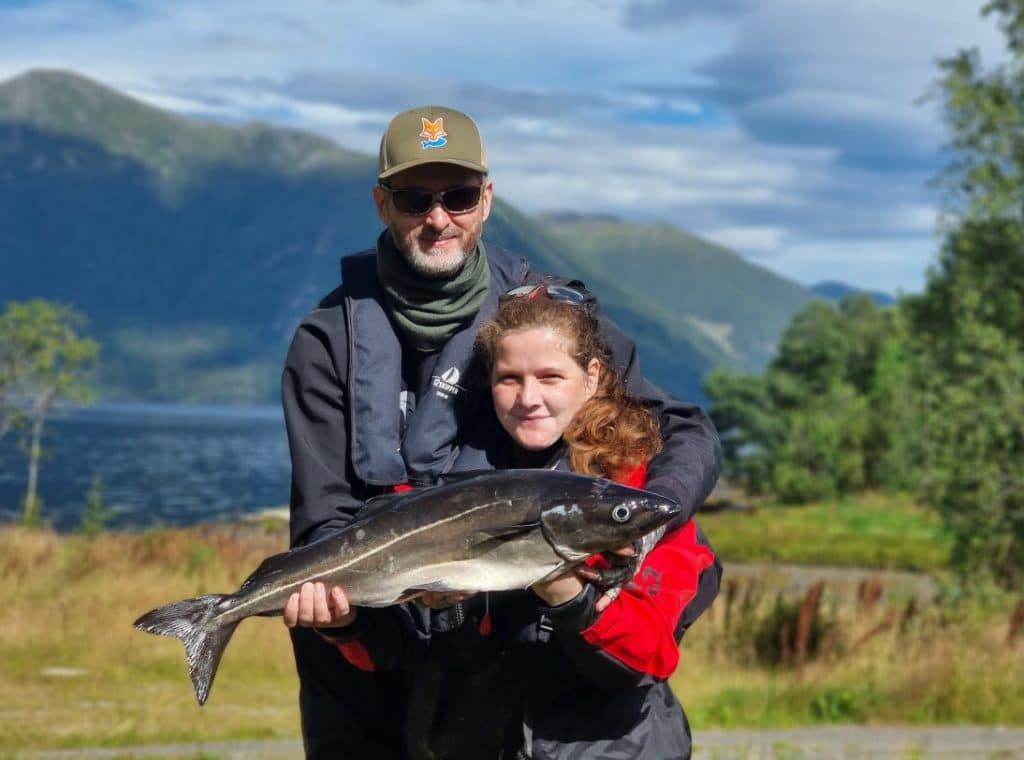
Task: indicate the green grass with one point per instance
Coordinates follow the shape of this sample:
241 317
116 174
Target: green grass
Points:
873 530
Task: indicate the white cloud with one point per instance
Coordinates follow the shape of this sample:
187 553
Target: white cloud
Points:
786 129
911 218
888 264
831 107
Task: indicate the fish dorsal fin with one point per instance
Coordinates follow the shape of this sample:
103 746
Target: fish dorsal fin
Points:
384 500
383 503
458 477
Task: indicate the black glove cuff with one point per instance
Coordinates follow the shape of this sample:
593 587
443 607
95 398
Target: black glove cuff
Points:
575 615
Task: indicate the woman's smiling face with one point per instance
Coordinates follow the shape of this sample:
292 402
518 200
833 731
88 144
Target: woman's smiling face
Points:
538 387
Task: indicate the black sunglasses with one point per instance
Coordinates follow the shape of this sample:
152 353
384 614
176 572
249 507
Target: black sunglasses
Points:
554 292
456 200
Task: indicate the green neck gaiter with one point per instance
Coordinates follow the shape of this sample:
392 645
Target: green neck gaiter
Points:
428 312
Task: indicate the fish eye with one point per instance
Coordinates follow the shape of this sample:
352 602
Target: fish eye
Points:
621 513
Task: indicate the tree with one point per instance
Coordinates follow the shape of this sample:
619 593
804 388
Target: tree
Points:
985 179
43 361
968 324
748 427
823 419
969 332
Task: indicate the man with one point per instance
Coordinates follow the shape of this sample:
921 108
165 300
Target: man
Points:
379 376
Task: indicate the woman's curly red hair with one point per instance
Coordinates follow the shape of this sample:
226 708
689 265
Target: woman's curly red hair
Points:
612 433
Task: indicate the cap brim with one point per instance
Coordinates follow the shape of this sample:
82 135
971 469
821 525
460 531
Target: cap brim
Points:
480 168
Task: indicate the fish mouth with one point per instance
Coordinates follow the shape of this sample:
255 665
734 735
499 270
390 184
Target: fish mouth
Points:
655 513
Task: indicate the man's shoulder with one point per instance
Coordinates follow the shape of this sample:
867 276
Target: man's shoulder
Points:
359 266
520 269
358 271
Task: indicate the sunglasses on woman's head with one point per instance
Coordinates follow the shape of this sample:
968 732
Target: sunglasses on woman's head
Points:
455 200
554 292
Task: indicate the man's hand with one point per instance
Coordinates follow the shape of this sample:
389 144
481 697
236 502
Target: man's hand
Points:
313 607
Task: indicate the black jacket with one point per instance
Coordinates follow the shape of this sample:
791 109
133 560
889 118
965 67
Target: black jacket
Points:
346 433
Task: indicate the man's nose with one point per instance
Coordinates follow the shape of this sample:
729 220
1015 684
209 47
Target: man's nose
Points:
437 217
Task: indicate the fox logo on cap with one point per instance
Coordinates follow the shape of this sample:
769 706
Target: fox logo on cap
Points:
410 135
434 133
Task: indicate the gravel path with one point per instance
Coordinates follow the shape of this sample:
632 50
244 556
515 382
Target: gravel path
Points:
819 743
860 742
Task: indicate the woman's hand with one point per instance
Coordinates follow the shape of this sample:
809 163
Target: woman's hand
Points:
568 586
628 551
313 607
559 590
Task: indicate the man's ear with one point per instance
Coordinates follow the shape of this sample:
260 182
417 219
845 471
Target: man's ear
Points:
485 199
381 202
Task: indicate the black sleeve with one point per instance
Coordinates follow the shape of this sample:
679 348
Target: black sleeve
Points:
688 466
590 662
393 637
316 418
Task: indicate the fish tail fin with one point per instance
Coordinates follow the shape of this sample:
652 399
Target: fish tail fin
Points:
191 620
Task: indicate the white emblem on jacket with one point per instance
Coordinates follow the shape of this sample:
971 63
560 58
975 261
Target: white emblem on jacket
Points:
447 384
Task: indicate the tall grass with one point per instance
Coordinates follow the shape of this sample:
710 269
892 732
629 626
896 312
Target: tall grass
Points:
74 672
768 658
872 530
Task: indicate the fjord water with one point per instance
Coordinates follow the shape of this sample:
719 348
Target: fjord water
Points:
160 464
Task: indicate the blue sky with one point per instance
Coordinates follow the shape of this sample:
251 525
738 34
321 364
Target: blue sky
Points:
791 131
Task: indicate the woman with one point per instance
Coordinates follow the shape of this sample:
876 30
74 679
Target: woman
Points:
561 669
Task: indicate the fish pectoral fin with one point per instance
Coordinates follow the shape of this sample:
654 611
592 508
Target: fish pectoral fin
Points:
437 585
566 553
441 587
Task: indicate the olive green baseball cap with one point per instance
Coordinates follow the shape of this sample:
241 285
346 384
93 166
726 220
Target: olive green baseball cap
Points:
428 135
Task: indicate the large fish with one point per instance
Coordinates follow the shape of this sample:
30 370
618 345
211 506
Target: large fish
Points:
486 532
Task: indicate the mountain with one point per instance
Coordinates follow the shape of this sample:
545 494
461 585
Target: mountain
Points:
832 290
195 248
730 311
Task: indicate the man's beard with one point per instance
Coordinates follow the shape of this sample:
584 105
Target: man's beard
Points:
435 266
